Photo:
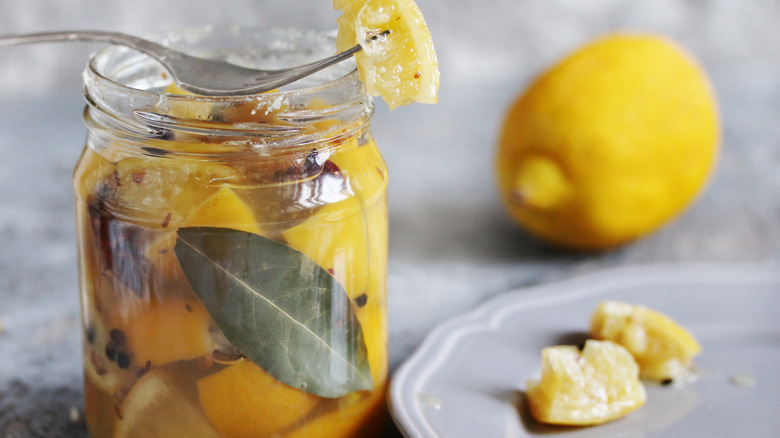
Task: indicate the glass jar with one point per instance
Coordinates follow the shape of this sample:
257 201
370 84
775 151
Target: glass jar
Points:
232 250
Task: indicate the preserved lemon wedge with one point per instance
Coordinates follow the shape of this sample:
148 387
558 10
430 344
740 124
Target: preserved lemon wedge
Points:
398 61
224 209
263 411
160 405
588 387
335 237
662 348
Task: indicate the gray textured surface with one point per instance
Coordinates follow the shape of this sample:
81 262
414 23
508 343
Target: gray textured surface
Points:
451 244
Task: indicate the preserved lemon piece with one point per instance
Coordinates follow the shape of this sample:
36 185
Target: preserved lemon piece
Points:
362 165
349 243
335 238
265 410
160 331
161 193
592 386
339 238
356 415
662 348
99 407
224 209
139 334
105 373
371 307
160 406
398 61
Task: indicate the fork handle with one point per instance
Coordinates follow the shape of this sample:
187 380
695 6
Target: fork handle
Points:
156 51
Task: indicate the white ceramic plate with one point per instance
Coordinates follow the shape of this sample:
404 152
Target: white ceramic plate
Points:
468 376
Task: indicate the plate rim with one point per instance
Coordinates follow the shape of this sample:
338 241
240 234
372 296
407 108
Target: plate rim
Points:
489 314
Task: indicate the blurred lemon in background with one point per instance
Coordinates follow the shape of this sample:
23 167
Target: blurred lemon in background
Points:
610 143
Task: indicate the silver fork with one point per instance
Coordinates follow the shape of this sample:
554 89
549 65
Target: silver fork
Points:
198 75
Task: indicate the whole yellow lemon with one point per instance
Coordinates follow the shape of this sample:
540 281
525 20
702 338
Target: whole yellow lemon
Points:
610 143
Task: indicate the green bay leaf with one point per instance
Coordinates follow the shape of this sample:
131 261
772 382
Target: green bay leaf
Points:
278 307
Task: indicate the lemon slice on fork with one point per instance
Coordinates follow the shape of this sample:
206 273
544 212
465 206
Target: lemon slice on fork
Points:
398 61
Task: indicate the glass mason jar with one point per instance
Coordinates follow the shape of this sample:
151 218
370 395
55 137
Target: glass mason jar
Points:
232 250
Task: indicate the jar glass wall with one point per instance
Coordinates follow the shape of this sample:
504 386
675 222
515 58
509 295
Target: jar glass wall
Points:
232 251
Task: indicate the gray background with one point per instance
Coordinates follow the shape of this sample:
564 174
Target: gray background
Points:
452 246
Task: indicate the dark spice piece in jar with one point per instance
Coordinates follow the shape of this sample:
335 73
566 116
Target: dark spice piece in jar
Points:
119 243
117 337
330 168
129 265
89 333
99 221
155 152
164 134
361 300
311 165
667 381
123 360
166 220
110 352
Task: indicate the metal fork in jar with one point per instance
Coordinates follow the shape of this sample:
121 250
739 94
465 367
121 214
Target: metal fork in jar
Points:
197 75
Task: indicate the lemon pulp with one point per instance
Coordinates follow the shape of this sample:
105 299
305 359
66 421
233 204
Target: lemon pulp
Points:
662 348
588 387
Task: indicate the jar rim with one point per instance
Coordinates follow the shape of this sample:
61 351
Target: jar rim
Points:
128 90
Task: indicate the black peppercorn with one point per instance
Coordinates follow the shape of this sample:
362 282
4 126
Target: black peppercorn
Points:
110 351
123 360
89 332
361 300
117 337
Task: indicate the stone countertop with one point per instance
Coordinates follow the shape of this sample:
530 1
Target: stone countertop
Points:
452 246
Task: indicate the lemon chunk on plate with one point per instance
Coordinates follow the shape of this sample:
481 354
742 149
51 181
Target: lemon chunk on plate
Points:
398 61
663 349
588 387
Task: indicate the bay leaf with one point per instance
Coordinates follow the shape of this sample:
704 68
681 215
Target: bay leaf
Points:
278 307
